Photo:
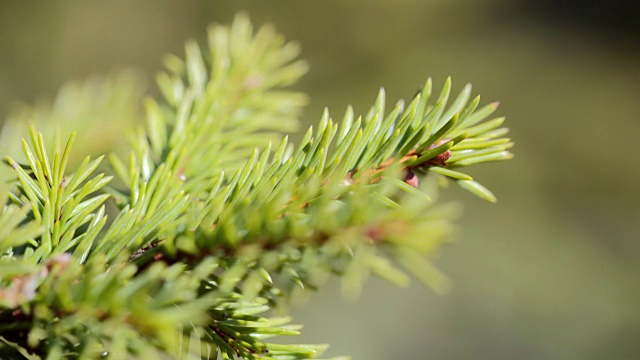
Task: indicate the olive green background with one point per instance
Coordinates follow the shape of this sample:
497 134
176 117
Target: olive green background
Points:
549 272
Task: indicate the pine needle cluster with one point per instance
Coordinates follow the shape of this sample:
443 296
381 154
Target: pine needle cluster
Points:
182 249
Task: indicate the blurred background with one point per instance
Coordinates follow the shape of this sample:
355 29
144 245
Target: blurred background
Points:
550 272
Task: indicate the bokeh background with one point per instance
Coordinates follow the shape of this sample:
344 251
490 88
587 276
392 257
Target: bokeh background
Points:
550 272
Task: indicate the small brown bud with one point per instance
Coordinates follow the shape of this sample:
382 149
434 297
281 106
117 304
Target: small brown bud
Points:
412 179
440 159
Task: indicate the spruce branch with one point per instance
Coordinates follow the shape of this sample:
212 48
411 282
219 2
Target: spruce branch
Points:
58 202
220 218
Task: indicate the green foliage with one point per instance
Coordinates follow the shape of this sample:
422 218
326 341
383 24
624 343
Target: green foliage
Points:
92 108
219 219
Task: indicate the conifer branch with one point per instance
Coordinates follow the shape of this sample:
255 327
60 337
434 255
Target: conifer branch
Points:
215 225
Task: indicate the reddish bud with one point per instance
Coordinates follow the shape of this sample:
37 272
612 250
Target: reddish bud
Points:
440 159
412 179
